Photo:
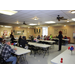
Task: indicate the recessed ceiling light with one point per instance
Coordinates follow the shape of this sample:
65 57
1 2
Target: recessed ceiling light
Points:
35 18
64 25
67 21
73 11
49 22
32 24
8 12
73 19
8 26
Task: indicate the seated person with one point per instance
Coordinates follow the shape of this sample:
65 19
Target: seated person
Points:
51 36
66 42
65 37
12 39
42 38
35 39
32 38
6 53
45 37
3 37
1 45
38 37
19 40
24 42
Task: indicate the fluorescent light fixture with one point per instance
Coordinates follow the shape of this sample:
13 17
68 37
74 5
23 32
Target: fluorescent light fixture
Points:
8 12
8 26
73 19
73 11
49 22
32 24
1 25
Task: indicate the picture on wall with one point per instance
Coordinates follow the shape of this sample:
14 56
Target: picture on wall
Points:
5 32
18 32
37 31
64 31
55 31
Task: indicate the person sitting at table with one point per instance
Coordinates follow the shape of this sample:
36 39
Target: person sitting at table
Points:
1 45
42 38
19 40
50 36
32 38
6 53
65 37
47 37
12 39
66 42
3 36
24 42
38 37
11 35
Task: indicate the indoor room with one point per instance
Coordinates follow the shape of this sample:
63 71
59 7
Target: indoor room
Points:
37 36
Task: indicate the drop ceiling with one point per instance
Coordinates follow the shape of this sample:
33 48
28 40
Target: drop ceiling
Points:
43 15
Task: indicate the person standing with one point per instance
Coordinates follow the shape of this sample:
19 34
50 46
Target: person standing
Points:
60 36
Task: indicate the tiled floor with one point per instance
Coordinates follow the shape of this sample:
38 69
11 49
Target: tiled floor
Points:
38 59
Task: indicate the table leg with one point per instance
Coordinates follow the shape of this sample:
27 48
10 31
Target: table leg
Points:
18 58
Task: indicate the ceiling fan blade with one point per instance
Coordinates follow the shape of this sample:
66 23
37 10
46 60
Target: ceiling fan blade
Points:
64 19
58 19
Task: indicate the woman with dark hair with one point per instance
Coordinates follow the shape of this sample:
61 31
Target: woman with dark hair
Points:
60 36
24 42
19 40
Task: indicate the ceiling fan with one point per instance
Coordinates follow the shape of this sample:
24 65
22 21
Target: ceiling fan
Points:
24 23
60 18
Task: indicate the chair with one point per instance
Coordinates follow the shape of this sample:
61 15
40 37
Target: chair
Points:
45 50
34 49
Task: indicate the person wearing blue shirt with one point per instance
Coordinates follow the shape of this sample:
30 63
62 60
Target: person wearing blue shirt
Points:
66 42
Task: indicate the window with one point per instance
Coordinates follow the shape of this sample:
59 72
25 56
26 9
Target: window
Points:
44 31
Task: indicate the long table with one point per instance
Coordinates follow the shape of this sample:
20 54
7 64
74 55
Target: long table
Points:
62 39
68 58
39 45
20 51
47 41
